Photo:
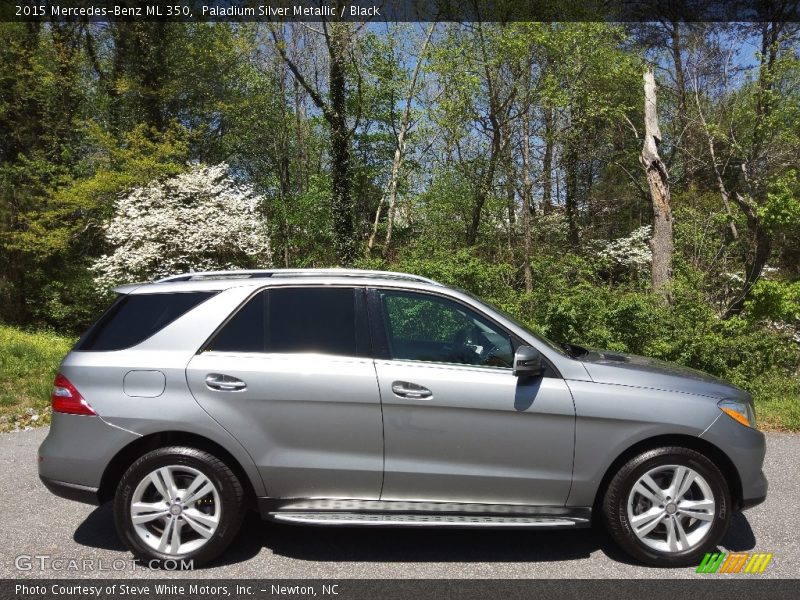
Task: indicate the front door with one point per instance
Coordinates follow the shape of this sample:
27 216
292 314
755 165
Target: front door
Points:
458 426
291 377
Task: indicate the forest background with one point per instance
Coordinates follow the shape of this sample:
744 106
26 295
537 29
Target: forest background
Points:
508 159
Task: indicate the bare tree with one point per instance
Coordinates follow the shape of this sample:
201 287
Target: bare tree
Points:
661 242
338 41
749 197
500 100
399 153
723 189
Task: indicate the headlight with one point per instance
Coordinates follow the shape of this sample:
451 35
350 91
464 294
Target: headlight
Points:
739 411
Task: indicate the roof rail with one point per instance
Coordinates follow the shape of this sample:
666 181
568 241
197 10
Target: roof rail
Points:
263 273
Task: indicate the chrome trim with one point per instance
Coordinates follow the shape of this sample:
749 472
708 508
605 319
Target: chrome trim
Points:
283 508
420 520
257 273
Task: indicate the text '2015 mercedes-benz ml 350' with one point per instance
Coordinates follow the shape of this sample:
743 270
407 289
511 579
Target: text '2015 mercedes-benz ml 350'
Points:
338 397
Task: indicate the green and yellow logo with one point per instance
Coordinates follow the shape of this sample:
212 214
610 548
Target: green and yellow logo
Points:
738 562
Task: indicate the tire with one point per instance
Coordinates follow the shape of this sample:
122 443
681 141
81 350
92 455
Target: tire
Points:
192 530
631 505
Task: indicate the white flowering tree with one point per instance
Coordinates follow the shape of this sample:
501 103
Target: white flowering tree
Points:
200 220
629 252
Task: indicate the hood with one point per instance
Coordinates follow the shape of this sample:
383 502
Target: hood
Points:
604 366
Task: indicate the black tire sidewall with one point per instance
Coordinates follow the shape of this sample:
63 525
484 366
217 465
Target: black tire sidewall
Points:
616 512
221 477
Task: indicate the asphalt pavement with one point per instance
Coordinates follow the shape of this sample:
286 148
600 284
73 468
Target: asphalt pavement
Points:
44 536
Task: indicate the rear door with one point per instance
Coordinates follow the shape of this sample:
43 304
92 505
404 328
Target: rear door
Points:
290 375
458 425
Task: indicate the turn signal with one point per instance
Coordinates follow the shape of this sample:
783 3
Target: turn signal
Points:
739 411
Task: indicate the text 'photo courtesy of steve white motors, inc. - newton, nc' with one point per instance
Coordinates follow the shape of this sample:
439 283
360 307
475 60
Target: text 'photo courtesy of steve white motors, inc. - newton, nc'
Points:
209 590
192 10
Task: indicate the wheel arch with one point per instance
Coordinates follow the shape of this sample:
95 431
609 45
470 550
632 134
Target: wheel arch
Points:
133 451
712 452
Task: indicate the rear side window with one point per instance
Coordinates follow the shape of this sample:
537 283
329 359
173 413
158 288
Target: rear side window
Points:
246 331
134 318
295 320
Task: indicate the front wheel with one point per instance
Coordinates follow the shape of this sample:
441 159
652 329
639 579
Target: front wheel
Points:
668 507
178 504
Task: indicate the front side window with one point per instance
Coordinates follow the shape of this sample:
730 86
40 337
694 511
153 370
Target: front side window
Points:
297 320
432 329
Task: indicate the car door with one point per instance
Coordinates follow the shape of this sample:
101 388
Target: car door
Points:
291 377
458 425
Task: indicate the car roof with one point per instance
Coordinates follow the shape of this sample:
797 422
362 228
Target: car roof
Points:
221 280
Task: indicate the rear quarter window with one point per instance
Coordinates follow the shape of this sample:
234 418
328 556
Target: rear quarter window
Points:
134 318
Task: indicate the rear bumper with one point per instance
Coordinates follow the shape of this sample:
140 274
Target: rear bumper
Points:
72 491
75 454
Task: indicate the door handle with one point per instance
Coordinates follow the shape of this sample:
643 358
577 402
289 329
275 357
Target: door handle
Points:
405 389
224 383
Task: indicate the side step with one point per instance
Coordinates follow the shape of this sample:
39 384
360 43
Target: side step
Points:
425 520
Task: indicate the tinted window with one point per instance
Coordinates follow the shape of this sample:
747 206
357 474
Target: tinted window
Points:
134 318
289 320
246 330
313 320
432 329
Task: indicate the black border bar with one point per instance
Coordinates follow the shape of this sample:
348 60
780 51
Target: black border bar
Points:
709 587
719 11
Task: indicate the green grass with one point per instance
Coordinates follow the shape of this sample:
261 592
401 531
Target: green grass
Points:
28 363
777 397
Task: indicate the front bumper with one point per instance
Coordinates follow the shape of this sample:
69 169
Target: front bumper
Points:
746 448
757 492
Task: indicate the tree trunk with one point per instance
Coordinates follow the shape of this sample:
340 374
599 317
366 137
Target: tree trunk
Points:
485 185
497 116
762 250
570 163
676 48
527 203
723 190
761 237
661 240
511 193
547 162
396 163
343 207
399 153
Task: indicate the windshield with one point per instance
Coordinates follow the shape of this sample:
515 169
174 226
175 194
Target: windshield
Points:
515 321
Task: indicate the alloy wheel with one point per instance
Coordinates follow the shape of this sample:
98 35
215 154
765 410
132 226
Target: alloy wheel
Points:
671 508
175 509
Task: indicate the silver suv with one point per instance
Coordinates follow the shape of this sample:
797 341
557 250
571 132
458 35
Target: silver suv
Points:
338 397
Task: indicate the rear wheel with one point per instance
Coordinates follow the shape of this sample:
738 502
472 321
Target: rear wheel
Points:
178 503
668 507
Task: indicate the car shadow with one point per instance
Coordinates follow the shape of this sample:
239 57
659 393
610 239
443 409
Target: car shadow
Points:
359 544
98 530
740 536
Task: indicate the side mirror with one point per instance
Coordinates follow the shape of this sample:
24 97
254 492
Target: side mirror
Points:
528 362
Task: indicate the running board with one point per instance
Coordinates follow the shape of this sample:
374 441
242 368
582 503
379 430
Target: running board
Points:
425 520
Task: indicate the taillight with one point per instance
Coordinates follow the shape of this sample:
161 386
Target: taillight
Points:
66 399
